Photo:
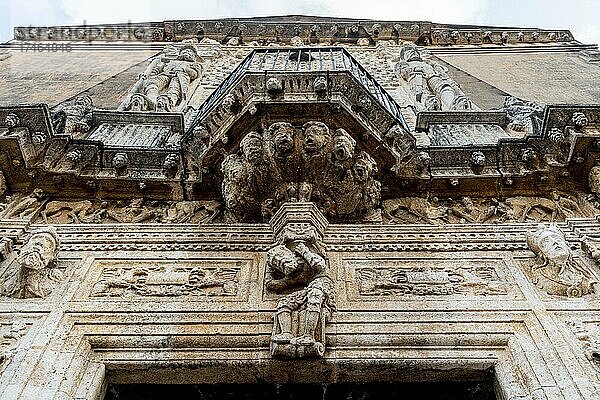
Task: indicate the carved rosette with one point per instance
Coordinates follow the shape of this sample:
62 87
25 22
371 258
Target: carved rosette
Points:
297 270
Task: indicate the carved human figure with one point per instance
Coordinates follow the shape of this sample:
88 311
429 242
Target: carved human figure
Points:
316 142
428 81
299 263
281 139
342 154
135 212
368 194
26 206
74 117
165 83
75 211
245 179
33 273
555 270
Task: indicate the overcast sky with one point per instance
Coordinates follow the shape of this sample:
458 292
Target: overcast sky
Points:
582 17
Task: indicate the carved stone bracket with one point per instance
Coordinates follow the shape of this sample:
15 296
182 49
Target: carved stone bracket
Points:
297 269
310 163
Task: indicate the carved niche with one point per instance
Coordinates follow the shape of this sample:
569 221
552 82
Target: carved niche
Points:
34 273
428 82
306 163
554 269
297 269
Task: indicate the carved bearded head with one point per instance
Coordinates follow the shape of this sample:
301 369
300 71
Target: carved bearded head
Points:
252 147
410 52
39 251
364 167
343 145
315 136
188 53
282 134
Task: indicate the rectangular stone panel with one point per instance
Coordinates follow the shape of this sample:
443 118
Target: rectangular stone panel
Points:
195 279
411 279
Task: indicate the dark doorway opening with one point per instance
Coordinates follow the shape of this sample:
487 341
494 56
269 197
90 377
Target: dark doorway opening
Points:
478 390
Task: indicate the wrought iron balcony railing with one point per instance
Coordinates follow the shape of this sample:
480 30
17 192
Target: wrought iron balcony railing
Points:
298 60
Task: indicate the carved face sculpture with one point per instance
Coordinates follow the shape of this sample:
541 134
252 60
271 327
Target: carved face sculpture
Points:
343 146
461 103
187 54
283 138
410 53
594 180
363 168
315 136
11 121
137 103
550 244
252 147
163 104
39 251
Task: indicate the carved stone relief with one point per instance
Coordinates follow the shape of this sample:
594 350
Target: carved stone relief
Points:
134 211
588 335
165 84
73 117
409 279
428 81
310 163
11 336
555 270
197 278
34 272
25 206
298 270
469 210
524 117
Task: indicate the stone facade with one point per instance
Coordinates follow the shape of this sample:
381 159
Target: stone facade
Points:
298 200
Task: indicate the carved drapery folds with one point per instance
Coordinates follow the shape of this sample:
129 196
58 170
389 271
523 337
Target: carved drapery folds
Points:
33 273
165 84
310 163
297 269
429 84
555 270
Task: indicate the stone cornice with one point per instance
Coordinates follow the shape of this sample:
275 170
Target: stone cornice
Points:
282 29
